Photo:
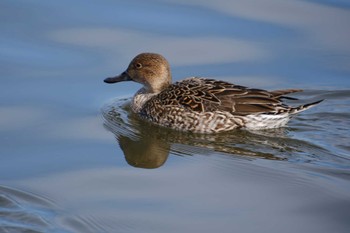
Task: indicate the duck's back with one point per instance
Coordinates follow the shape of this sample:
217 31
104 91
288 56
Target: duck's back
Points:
207 105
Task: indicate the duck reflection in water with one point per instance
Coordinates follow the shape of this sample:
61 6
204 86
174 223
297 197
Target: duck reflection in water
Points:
146 145
146 152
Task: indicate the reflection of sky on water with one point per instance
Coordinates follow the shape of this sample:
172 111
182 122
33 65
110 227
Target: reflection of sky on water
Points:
245 197
320 24
189 51
55 54
300 40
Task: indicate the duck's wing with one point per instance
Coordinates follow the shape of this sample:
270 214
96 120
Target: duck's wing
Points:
203 95
282 93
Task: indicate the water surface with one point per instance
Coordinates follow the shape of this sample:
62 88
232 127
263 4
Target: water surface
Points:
75 159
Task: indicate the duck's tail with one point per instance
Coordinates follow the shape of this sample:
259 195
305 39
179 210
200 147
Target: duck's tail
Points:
304 107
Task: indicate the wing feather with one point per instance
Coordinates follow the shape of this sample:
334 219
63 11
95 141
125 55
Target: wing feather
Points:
201 95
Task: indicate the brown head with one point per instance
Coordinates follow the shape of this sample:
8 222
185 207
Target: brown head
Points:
150 69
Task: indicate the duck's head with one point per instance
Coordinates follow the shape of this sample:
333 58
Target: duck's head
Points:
150 69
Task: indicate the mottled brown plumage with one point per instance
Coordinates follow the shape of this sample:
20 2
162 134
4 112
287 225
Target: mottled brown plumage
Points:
202 95
202 105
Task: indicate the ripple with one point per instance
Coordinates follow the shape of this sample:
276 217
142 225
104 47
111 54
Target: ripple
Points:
24 212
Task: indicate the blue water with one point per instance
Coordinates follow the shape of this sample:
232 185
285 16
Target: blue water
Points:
75 159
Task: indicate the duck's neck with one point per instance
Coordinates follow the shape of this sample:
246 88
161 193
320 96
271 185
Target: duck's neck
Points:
140 98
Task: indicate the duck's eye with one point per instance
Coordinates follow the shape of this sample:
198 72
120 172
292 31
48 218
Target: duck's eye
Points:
138 65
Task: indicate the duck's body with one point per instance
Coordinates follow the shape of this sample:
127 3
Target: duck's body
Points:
202 105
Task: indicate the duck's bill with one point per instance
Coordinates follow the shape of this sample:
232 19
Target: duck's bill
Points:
119 78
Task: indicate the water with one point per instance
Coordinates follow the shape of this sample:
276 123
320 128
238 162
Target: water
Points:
75 159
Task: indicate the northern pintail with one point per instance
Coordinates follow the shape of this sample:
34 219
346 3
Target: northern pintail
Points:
202 105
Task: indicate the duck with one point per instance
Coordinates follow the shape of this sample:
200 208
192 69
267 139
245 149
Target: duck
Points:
203 105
